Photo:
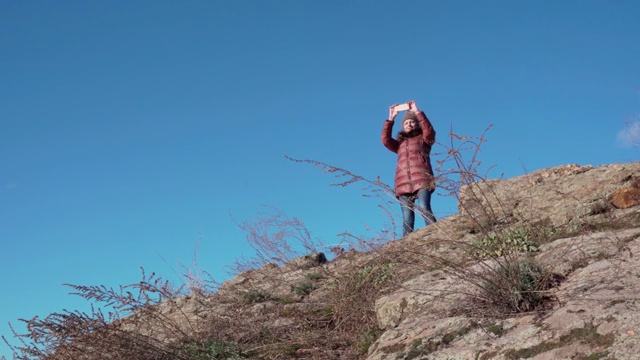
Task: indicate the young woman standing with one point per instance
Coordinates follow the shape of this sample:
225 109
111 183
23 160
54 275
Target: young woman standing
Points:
414 179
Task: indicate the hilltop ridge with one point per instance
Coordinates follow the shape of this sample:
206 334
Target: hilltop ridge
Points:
539 266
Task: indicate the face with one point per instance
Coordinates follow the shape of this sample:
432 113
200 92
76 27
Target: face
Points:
409 125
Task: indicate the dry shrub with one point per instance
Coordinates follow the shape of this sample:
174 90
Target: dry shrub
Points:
491 264
150 319
275 238
375 189
511 285
352 297
321 317
518 287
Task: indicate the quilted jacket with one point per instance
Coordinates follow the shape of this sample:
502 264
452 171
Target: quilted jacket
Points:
413 169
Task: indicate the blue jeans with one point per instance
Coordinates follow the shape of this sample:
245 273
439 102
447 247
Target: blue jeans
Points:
423 196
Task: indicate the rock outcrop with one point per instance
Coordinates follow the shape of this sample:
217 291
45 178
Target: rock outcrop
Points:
429 295
589 219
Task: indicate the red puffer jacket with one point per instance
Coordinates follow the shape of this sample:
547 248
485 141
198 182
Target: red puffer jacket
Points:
413 170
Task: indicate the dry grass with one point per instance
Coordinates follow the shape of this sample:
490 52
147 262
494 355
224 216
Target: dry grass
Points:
311 312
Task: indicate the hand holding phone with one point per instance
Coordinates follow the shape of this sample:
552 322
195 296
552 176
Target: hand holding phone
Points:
402 107
413 106
393 112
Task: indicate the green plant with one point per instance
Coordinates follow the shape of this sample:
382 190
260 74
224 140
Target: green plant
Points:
212 350
516 286
256 296
495 245
448 338
367 337
495 329
304 288
419 348
314 276
543 234
377 274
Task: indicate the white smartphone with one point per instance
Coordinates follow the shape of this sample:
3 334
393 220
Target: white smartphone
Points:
402 107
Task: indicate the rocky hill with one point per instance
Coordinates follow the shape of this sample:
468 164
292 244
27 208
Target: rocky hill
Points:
541 266
585 223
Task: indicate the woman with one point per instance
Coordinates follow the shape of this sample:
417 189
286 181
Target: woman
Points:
414 178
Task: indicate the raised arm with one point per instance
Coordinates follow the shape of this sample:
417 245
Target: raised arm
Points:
428 132
387 139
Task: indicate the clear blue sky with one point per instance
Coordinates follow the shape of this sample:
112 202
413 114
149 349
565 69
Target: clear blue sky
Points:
131 130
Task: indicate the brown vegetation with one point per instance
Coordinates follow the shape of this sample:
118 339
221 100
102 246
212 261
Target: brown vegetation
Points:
286 303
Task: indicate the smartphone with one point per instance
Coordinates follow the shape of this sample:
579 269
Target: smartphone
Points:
402 107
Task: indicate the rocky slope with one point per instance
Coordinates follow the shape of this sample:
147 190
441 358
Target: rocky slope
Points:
541 266
587 223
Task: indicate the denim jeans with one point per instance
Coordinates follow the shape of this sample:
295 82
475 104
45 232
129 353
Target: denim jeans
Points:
423 197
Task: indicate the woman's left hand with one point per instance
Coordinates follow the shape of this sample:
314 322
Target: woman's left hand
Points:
413 106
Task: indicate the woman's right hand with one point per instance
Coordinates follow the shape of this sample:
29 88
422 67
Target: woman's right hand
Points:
393 112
